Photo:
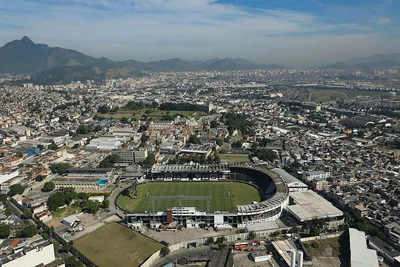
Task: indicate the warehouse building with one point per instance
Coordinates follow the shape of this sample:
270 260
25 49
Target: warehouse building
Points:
308 206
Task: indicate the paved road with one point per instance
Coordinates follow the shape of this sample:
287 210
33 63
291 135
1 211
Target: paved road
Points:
113 196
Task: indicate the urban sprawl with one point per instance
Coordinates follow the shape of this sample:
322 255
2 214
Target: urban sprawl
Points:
208 168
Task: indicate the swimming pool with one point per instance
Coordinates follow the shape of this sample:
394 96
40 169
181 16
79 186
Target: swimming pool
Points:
102 181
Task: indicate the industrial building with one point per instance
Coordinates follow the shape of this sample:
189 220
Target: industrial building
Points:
196 149
105 143
308 205
360 255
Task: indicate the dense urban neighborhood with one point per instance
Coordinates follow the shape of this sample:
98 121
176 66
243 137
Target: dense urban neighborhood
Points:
269 166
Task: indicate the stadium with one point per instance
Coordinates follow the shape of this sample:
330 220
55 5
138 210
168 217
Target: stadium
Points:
195 196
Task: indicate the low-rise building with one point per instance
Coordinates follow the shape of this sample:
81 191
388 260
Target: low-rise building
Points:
315 175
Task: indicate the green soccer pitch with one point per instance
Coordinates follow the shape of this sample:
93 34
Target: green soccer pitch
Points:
225 196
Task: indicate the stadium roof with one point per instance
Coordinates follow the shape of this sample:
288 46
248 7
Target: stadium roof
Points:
190 168
360 255
287 177
309 205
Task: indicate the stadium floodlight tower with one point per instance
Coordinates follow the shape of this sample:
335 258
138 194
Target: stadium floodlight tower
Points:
180 198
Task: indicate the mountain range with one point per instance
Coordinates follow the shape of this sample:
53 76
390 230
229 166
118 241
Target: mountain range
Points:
371 63
53 64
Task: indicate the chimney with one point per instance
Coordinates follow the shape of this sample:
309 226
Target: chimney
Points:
293 258
300 259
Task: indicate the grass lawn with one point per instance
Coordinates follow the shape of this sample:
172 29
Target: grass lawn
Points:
155 113
116 245
225 195
64 212
326 95
240 158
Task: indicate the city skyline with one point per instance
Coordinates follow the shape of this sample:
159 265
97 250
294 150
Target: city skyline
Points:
291 33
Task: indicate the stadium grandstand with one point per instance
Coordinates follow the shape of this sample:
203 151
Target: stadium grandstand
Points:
273 191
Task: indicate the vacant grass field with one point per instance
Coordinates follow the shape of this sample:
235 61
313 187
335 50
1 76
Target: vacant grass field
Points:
326 95
225 195
240 158
116 245
154 113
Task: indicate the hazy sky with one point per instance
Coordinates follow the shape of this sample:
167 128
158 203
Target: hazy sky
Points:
289 32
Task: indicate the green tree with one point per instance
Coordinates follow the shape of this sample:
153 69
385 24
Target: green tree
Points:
27 213
124 120
193 139
53 146
82 195
220 142
150 160
3 197
28 231
109 161
16 189
103 109
84 129
56 200
106 203
4 230
91 206
219 240
213 124
69 194
7 212
164 251
71 261
39 178
60 168
209 240
48 186
97 128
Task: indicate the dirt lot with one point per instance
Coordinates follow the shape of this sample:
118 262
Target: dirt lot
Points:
331 252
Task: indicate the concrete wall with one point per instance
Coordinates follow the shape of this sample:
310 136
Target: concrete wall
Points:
320 237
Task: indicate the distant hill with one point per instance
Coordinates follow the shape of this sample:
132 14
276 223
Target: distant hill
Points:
25 57
55 64
368 63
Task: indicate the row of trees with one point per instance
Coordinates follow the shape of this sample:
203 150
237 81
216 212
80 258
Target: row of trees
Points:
67 195
239 122
134 105
109 162
60 168
28 231
88 128
103 109
179 106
